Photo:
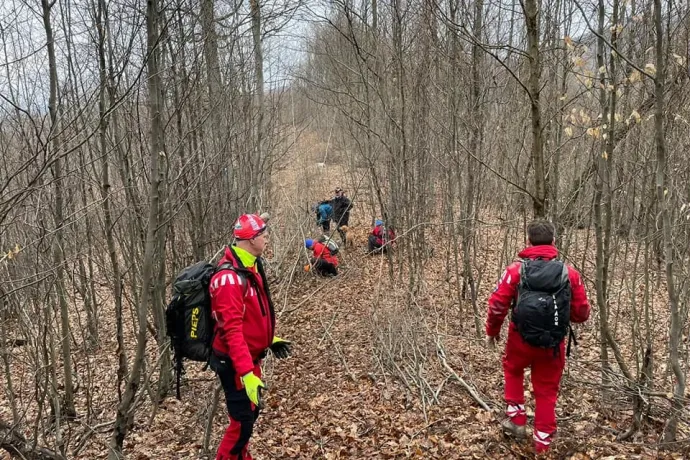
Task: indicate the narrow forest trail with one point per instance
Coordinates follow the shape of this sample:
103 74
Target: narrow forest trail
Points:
336 396
334 399
330 400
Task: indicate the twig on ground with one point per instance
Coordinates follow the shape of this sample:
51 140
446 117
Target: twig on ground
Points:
428 425
341 357
442 355
209 418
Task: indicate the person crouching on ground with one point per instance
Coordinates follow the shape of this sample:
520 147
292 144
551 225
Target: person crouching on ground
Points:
325 263
380 237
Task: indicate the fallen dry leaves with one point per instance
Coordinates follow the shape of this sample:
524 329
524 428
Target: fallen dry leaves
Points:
332 398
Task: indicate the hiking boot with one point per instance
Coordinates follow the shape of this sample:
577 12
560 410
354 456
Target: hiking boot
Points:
511 429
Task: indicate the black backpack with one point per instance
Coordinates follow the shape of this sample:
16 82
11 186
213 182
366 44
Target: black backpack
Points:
542 309
188 315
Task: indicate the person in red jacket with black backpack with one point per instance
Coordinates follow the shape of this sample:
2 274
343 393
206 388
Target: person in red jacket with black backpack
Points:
243 332
544 296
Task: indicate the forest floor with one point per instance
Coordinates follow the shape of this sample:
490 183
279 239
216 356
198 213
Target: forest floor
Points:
335 399
339 395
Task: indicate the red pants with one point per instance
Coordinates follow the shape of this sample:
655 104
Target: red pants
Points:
546 377
241 412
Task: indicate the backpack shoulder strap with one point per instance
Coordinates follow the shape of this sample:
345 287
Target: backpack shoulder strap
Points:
565 277
231 267
225 266
521 284
523 277
571 340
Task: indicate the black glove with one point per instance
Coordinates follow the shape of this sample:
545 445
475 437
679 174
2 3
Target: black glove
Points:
280 348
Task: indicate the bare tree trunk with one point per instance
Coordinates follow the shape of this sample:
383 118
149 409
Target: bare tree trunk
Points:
125 410
531 9
164 212
257 161
455 116
165 359
50 358
102 26
477 128
87 281
4 316
210 415
208 25
58 254
603 209
567 15
676 326
600 178
86 284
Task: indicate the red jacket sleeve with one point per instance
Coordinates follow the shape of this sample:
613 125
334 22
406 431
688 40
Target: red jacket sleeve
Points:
501 299
227 304
579 306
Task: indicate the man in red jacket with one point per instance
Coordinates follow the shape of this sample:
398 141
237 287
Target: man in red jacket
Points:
536 336
243 332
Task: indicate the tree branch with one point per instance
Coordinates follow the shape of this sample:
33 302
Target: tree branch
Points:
16 444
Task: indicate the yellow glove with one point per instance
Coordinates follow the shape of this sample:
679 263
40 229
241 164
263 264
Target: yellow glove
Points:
253 385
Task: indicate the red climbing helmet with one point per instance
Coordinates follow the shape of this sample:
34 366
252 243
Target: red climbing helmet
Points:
248 226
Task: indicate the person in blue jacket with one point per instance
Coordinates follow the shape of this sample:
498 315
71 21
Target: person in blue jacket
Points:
324 212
